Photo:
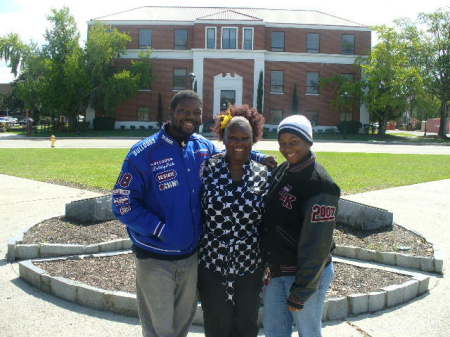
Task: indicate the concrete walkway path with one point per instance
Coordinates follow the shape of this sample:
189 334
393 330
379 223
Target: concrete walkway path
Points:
319 146
25 311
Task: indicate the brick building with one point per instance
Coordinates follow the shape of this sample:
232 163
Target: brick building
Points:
228 48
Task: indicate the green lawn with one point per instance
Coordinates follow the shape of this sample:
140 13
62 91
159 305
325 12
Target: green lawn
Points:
98 168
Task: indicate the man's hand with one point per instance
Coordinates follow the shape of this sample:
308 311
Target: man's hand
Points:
270 162
293 309
294 304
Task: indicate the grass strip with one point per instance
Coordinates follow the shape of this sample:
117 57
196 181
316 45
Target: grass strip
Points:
99 168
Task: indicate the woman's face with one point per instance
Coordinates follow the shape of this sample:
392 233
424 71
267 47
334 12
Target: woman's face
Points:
293 148
238 142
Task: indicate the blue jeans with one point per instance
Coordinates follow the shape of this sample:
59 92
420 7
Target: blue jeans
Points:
277 318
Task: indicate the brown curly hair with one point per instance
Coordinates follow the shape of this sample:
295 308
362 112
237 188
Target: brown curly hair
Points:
255 118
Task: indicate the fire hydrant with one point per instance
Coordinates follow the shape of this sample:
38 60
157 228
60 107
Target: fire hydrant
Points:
52 140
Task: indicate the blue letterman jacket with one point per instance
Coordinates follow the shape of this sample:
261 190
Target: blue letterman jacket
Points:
157 195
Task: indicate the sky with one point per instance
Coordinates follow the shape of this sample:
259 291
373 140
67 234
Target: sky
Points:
28 18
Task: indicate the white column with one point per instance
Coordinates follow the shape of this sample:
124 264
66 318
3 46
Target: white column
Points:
198 71
259 60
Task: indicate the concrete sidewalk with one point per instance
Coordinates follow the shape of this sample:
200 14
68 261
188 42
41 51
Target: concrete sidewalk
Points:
25 311
319 146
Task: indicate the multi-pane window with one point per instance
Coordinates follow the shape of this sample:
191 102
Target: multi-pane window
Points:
211 37
348 44
312 83
145 38
181 37
247 39
229 38
277 41
276 81
179 78
143 113
313 117
313 43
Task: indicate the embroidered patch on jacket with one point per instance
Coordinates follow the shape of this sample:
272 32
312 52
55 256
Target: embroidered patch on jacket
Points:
323 213
119 191
163 164
125 180
287 199
125 210
166 176
121 201
168 185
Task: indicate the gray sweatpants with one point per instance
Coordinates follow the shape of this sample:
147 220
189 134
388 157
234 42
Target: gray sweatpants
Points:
166 295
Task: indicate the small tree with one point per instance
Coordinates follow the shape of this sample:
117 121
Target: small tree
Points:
260 93
436 60
389 78
295 102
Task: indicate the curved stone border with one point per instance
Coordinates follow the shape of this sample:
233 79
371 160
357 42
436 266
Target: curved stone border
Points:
429 264
18 251
336 308
433 264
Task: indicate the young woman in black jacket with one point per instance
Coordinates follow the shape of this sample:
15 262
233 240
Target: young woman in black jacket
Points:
298 227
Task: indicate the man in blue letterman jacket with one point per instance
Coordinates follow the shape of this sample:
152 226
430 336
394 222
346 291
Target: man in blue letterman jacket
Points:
157 196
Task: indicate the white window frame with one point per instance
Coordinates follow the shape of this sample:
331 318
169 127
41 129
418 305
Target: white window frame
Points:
243 37
317 86
151 38
318 43
221 37
206 37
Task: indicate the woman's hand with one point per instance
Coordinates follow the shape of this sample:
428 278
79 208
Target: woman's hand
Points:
270 162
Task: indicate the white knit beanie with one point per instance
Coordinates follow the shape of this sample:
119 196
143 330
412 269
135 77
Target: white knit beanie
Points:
299 125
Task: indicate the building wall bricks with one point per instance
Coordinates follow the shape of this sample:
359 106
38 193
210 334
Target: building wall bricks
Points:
315 106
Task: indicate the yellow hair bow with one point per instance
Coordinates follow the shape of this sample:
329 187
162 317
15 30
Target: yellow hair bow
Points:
226 119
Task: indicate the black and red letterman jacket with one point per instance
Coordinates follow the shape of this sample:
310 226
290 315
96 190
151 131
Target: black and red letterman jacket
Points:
299 220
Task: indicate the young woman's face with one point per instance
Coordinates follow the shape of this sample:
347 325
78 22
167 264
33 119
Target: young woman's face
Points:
238 142
186 117
292 147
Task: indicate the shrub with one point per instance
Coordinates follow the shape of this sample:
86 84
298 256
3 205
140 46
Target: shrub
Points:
104 123
142 127
132 127
349 127
122 127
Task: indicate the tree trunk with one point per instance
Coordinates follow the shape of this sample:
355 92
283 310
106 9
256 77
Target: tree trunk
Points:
443 121
382 127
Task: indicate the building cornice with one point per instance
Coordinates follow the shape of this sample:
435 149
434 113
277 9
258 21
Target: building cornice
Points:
267 56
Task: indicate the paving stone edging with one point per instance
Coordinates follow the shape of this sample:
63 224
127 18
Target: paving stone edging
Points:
428 264
336 308
18 251
433 264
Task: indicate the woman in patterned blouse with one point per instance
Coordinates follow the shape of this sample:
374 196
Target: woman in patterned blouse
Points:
230 269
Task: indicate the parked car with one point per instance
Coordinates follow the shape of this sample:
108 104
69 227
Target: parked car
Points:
5 123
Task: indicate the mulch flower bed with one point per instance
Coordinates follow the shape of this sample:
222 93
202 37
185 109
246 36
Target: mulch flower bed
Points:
395 239
61 230
118 273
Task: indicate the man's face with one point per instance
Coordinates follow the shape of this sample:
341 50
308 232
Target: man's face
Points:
186 117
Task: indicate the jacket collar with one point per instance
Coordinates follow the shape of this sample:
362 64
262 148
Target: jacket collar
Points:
169 139
309 160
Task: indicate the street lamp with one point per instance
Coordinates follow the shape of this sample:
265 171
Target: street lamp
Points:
191 77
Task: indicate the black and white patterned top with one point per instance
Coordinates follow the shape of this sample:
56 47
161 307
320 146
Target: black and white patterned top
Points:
232 213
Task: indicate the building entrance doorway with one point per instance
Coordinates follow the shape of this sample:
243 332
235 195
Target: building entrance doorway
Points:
227 97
